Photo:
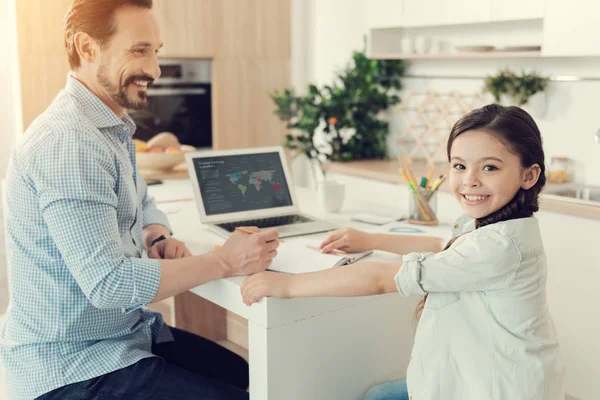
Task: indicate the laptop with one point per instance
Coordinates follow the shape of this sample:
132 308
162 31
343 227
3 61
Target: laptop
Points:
248 187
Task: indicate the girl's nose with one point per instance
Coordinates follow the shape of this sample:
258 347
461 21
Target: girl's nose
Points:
471 179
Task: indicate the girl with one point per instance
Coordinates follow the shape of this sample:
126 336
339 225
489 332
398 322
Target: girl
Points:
484 330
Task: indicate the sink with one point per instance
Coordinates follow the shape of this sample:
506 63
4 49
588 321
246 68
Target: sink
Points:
575 193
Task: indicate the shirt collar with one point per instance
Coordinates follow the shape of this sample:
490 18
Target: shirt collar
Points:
95 109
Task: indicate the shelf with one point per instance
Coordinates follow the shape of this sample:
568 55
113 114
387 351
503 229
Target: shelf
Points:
458 55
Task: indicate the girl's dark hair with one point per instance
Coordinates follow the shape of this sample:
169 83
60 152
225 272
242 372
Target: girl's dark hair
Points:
96 18
518 131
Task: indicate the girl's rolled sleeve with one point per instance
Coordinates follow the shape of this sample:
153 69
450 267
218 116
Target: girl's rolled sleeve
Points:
485 259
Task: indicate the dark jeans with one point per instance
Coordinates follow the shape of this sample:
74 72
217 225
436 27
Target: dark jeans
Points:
191 367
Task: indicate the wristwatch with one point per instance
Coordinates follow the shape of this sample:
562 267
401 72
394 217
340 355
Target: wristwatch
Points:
158 239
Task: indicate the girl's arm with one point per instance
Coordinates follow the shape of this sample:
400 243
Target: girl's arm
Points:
361 279
354 241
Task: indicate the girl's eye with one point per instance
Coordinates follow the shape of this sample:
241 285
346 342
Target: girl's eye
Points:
489 168
458 166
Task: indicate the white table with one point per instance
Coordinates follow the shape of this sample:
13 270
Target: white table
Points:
314 348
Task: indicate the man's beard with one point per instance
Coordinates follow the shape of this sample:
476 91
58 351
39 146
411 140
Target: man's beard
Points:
119 94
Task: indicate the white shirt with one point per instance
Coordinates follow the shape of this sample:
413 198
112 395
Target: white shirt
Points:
485 332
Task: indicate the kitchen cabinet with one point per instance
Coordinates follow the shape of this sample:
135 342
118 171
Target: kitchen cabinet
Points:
383 13
444 12
571 29
512 10
187 27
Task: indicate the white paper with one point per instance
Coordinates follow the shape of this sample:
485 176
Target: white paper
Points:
294 257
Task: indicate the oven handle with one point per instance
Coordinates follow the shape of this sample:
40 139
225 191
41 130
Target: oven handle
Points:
174 92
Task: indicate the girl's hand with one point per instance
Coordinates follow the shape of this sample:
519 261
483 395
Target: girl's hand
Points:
348 240
265 284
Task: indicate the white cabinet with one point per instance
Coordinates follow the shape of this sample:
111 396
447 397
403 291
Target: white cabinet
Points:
423 12
512 10
446 12
466 11
383 13
571 29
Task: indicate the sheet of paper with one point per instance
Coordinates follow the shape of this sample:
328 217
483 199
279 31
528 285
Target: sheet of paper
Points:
294 257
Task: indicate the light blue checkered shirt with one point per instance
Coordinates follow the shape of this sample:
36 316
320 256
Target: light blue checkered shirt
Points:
77 206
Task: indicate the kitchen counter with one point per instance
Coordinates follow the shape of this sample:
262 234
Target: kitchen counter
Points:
387 171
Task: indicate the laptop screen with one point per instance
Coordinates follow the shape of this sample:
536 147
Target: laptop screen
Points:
239 183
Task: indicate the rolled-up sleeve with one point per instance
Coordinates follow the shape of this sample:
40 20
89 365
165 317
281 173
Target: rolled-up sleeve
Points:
75 181
481 260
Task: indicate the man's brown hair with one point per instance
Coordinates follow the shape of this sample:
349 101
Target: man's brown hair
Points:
96 18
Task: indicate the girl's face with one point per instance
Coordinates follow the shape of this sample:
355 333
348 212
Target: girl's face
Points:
484 174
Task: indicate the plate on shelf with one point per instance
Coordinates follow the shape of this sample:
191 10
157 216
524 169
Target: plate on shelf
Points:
519 48
475 49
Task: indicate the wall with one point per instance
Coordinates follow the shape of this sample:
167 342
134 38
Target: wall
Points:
10 114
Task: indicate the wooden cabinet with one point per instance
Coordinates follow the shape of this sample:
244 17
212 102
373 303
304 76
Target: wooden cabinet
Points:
43 61
187 27
512 10
384 14
571 29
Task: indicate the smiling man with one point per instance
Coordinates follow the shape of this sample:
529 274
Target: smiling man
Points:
78 221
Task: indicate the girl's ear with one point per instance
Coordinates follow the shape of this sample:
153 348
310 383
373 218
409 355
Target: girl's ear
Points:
531 176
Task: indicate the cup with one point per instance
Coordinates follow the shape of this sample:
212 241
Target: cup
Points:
331 194
422 44
407 45
422 207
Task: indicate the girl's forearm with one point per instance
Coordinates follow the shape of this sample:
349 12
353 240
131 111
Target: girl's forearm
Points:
403 244
361 279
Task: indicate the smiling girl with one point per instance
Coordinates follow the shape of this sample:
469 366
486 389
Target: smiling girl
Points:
484 330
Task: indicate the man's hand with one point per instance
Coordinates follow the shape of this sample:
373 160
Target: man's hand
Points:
169 249
245 254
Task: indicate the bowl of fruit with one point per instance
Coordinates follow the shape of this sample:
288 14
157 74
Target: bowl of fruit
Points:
161 153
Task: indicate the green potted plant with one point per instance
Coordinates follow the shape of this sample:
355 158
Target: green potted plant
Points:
526 90
342 121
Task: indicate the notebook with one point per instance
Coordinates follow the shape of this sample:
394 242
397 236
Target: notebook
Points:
295 257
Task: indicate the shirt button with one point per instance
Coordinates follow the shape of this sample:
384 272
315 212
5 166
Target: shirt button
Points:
455 226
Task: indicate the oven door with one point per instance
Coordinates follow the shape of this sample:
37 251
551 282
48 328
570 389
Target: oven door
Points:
185 112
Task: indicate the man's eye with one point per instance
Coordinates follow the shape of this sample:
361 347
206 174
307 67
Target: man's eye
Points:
458 166
139 51
489 168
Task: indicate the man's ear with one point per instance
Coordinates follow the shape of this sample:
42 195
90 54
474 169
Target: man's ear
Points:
85 46
531 176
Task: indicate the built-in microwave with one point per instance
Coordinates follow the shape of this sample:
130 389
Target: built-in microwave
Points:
179 102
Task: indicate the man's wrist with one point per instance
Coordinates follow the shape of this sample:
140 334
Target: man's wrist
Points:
225 270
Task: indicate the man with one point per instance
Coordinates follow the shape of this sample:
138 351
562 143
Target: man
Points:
79 218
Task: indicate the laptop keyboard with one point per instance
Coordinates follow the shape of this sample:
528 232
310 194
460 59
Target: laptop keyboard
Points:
266 222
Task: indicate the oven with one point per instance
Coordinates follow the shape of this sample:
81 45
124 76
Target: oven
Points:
179 102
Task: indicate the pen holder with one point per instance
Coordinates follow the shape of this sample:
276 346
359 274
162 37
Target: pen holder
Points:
422 207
